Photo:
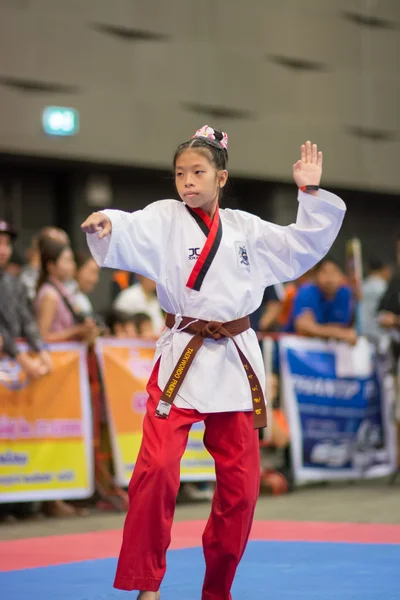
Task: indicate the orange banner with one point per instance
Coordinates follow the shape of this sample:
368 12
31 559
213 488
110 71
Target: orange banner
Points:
126 367
45 430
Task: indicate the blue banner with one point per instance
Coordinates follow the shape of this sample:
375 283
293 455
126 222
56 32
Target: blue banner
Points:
338 410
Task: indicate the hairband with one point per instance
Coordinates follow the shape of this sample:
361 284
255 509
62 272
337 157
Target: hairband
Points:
213 135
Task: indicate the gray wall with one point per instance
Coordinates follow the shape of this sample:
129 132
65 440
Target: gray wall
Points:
145 74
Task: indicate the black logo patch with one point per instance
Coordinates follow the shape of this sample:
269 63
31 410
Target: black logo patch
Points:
194 253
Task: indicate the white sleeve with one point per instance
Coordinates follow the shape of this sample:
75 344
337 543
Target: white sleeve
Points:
286 253
137 240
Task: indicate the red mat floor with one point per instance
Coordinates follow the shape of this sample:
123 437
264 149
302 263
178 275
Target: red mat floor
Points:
56 550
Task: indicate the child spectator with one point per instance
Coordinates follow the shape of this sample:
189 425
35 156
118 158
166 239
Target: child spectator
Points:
124 325
142 298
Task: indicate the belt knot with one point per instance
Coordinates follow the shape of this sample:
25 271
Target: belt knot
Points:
200 330
213 330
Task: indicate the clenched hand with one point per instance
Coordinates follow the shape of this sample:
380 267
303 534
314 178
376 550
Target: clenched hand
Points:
99 223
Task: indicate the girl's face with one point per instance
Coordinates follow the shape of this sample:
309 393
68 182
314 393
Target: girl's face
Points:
88 276
64 267
197 180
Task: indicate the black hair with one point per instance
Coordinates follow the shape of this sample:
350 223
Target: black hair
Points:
119 317
375 264
139 319
50 252
324 261
81 258
218 154
116 317
17 258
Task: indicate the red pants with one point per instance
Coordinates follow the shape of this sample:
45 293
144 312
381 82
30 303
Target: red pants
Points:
233 443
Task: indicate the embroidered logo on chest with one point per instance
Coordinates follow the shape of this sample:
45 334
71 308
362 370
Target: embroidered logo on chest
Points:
194 253
242 256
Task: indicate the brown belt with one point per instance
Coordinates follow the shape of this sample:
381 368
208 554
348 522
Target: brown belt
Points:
211 330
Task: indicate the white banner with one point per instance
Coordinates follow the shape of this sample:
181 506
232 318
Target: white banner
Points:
339 409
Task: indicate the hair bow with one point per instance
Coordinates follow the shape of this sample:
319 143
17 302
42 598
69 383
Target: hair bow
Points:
214 135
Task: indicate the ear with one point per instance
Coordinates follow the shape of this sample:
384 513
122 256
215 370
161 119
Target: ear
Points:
222 178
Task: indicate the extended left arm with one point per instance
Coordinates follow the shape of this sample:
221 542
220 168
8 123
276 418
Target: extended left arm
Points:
286 253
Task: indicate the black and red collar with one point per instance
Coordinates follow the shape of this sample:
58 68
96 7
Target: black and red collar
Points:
212 229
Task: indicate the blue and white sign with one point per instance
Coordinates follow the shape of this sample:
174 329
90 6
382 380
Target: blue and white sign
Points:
60 121
339 412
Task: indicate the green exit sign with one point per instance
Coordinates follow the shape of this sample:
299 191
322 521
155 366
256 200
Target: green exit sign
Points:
59 120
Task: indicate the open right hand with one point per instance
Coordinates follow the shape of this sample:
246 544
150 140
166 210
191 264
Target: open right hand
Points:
99 223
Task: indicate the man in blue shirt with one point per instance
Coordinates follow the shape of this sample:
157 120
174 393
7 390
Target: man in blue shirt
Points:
325 308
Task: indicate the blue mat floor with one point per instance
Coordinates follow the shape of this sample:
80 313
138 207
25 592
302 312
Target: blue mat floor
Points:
269 570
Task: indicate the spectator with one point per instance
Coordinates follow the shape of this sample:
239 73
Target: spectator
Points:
87 277
142 298
266 317
16 319
373 288
143 326
58 321
121 324
30 273
325 309
124 325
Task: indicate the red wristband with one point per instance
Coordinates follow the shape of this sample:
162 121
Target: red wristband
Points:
309 188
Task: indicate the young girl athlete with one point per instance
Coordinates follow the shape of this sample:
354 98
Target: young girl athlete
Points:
211 267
